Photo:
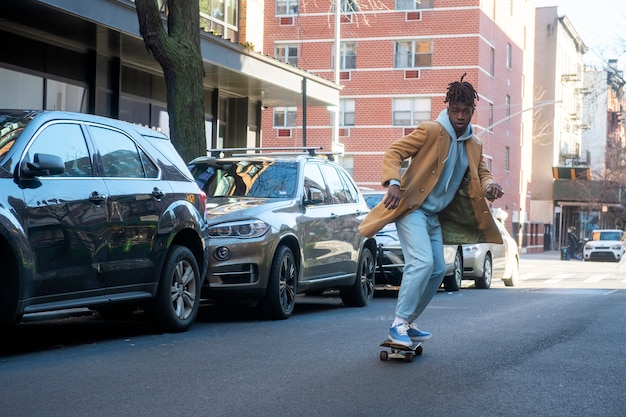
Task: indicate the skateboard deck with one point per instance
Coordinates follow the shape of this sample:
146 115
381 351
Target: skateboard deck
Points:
400 351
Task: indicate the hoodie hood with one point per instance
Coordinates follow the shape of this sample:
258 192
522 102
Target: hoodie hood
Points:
454 167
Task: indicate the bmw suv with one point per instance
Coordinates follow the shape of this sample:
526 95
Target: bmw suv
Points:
280 224
97 213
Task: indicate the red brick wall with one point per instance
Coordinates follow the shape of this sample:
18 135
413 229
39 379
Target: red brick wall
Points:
462 40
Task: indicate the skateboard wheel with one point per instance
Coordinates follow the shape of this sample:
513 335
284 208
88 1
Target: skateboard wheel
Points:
408 357
383 355
419 350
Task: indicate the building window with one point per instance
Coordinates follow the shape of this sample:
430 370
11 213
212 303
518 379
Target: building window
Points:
348 55
349 6
492 62
346 112
413 53
490 120
507 105
507 158
27 91
287 53
285 116
410 111
413 4
220 17
286 7
508 55
64 96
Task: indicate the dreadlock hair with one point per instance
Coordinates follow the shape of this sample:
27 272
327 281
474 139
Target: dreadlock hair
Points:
461 92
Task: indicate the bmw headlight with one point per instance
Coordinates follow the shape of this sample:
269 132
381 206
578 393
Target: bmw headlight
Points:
241 229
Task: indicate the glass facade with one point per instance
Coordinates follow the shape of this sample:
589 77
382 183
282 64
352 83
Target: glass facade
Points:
26 91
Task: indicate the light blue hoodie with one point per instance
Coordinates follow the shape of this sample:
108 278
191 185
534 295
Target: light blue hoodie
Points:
454 168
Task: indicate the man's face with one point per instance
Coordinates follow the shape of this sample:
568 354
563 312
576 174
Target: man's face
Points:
460 115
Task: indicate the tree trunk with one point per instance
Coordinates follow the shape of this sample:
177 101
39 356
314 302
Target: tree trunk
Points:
178 53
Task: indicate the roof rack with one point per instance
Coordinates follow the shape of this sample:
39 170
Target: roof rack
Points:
310 149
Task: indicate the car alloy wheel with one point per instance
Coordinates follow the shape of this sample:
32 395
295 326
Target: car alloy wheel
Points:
362 292
280 298
178 297
484 282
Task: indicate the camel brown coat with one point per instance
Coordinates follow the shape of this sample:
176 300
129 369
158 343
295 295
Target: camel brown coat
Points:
467 219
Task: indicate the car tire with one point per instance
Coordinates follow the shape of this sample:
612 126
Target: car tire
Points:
175 307
484 282
280 298
362 291
512 281
453 282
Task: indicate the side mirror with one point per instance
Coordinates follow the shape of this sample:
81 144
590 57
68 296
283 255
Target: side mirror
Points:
314 196
43 165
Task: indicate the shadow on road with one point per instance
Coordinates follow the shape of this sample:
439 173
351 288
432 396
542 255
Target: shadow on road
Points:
69 330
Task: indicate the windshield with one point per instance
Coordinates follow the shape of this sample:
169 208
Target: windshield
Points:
259 179
12 123
607 235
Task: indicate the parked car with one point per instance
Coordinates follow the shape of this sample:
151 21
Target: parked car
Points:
97 213
484 261
604 245
280 224
390 260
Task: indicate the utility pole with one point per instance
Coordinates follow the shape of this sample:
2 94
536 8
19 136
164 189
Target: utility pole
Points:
336 146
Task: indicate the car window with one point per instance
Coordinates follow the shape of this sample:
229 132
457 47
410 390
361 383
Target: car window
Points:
247 179
349 186
337 188
313 179
67 141
373 199
120 156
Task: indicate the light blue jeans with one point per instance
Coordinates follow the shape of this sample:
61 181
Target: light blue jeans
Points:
424 265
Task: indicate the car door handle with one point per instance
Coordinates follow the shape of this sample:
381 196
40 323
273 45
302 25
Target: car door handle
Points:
97 198
158 194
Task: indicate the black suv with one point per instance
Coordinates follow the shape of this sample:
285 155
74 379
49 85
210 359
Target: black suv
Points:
97 213
281 224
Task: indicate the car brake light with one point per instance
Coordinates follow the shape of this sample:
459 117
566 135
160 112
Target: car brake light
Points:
203 200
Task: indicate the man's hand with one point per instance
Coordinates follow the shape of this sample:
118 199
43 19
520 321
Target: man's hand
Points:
392 198
493 191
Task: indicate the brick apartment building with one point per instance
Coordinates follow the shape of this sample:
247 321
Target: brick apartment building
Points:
397 58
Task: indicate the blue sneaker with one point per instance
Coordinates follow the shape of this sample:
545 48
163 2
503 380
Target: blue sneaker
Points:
417 335
398 334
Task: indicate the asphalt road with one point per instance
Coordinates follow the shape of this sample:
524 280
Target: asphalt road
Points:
540 349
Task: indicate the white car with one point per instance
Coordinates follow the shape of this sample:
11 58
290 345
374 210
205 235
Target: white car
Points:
484 261
604 245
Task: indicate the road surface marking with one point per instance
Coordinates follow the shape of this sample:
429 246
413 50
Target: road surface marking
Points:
596 278
558 278
529 275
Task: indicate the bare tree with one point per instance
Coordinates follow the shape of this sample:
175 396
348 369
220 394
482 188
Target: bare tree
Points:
176 47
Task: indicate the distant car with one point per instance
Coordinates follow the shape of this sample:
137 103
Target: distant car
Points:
390 264
604 245
97 213
280 224
483 262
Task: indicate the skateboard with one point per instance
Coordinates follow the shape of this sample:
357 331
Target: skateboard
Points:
400 351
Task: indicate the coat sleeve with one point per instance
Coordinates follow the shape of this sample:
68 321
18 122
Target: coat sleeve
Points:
403 148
